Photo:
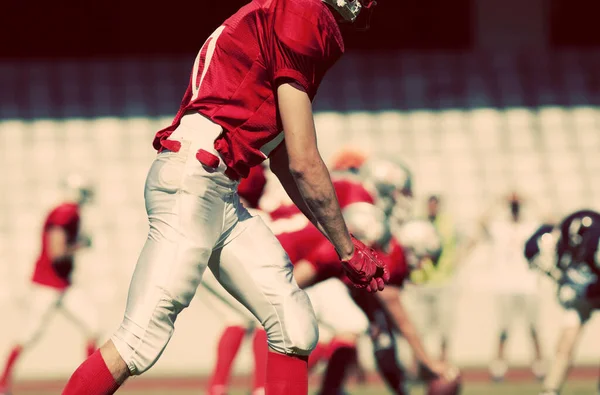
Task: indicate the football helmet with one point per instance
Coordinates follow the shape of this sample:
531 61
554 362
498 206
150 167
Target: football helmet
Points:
420 241
579 240
348 160
540 251
367 223
349 10
77 188
392 181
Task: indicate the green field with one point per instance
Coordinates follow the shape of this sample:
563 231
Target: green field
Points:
573 388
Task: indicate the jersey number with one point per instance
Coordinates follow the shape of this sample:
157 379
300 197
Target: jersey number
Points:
203 61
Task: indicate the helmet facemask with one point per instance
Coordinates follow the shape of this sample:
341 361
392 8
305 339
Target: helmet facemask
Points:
357 12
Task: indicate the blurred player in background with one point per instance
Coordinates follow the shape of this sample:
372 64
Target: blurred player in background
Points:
249 98
569 254
51 288
385 313
390 181
515 285
432 290
298 236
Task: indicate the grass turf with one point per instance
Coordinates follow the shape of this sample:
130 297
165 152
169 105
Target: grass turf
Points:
573 388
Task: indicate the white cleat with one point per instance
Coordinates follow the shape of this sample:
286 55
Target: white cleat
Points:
498 369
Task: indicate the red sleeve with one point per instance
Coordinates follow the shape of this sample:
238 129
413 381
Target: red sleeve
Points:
300 49
63 215
325 260
397 264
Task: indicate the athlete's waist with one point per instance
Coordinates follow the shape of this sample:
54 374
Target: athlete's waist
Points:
197 129
198 134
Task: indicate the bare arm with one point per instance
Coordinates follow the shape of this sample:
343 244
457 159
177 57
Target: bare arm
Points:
561 362
279 164
305 167
390 297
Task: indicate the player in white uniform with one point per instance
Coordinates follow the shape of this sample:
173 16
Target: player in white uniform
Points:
515 285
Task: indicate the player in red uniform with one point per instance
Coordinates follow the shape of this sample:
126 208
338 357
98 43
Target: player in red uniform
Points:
385 310
51 281
250 89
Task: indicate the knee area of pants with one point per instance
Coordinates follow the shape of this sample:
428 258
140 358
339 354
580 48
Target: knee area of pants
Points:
139 354
300 324
140 346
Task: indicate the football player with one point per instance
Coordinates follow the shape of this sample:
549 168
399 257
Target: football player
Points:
385 312
569 254
516 287
248 99
431 287
51 289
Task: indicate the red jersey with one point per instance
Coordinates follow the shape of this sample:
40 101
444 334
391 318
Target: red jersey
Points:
65 216
297 234
236 73
395 259
251 188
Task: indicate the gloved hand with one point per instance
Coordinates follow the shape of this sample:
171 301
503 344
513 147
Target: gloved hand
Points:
365 269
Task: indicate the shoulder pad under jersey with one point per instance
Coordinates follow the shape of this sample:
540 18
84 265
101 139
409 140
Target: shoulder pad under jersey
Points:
302 25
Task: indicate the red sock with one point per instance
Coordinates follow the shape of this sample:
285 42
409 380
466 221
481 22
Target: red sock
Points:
286 375
92 378
90 347
261 350
228 347
317 355
342 358
10 364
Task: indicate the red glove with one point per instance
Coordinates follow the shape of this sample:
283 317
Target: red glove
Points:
366 269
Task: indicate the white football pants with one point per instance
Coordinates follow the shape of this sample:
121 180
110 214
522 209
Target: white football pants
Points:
223 305
510 306
45 301
197 221
336 310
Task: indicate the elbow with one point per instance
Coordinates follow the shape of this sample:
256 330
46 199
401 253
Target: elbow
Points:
300 169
